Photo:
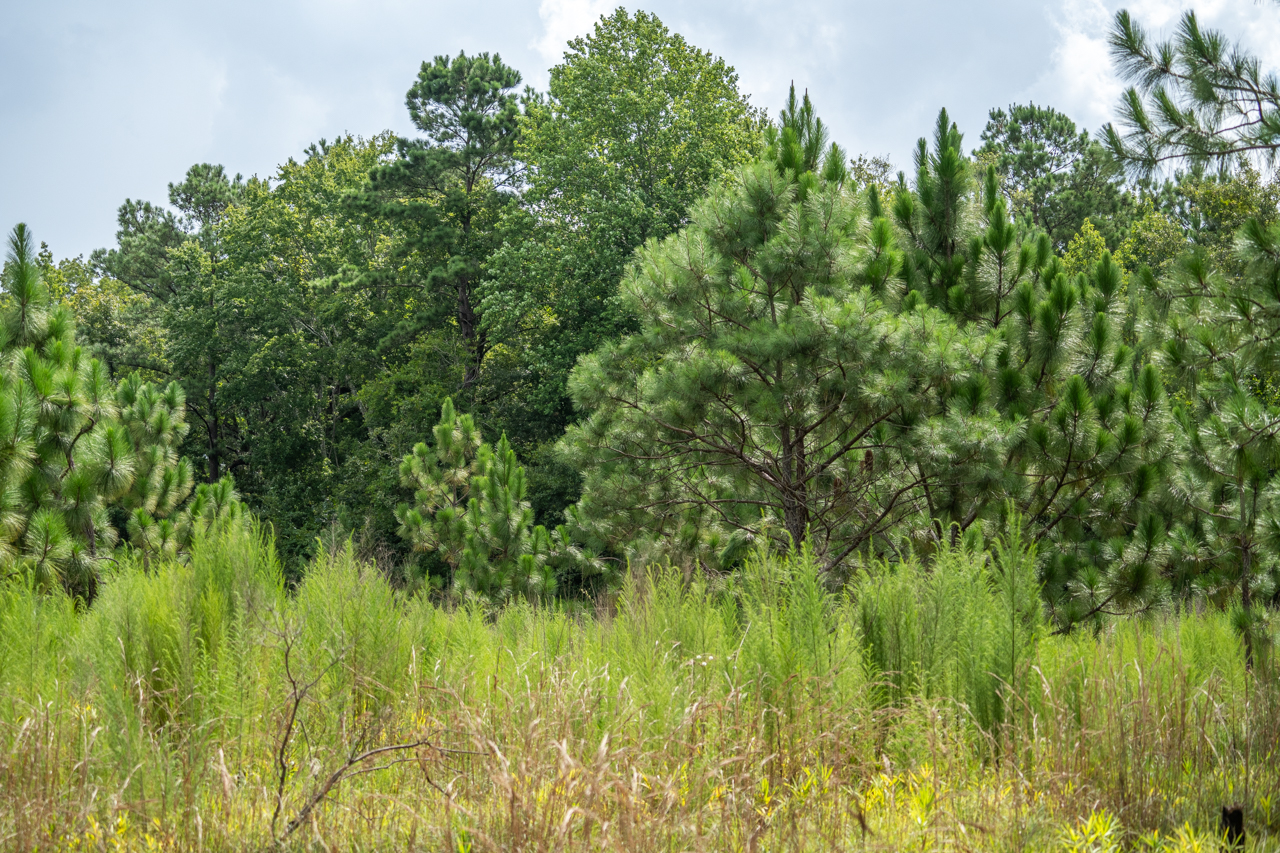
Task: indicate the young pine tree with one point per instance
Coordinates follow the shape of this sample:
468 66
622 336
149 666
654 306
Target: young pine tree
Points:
777 391
469 507
1217 335
76 453
1084 409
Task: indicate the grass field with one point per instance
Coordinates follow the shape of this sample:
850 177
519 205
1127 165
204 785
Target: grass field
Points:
204 707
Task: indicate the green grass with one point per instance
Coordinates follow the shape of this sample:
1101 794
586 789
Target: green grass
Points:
923 708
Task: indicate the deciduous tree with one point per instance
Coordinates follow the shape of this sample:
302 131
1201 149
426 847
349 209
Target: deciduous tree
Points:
635 128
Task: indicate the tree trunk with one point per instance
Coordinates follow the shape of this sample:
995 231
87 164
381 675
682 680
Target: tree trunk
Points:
472 335
1246 604
468 319
1246 566
795 504
215 460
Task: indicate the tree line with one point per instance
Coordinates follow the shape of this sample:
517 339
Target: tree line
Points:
632 318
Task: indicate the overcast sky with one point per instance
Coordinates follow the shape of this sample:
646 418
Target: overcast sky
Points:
104 101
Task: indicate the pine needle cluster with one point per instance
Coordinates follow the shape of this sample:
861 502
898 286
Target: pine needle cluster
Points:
83 461
470 508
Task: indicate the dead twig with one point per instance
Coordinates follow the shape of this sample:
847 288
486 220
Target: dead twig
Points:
337 776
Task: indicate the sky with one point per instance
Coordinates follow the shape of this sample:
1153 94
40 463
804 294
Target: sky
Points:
108 101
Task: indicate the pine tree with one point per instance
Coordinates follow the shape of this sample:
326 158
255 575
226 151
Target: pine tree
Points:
1084 408
1217 335
74 449
777 391
1197 98
469 506
447 190
1054 176
162 522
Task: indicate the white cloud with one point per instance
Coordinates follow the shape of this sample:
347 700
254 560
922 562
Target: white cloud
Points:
1158 15
563 20
1080 80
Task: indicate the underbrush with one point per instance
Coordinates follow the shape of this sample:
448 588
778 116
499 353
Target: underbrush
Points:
204 707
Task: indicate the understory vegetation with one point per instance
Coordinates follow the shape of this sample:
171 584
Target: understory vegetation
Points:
201 706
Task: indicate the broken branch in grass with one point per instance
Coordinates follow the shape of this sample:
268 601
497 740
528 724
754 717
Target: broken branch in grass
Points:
337 776
297 695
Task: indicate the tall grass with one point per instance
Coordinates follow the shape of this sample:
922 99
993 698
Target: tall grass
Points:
201 706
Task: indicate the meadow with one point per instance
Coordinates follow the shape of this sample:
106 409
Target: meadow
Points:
776 499
204 706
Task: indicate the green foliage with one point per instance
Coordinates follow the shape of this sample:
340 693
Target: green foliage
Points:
635 128
1154 241
317 319
1219 206
470 507
344 638
304 337
177 263
1053 176
755 344
76 450
37 628
762 691
148 232
247 300
159 637
965 628
1216 334
1084 251
770 396
1197 98
447 190
1201 210
867 172
1084 411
